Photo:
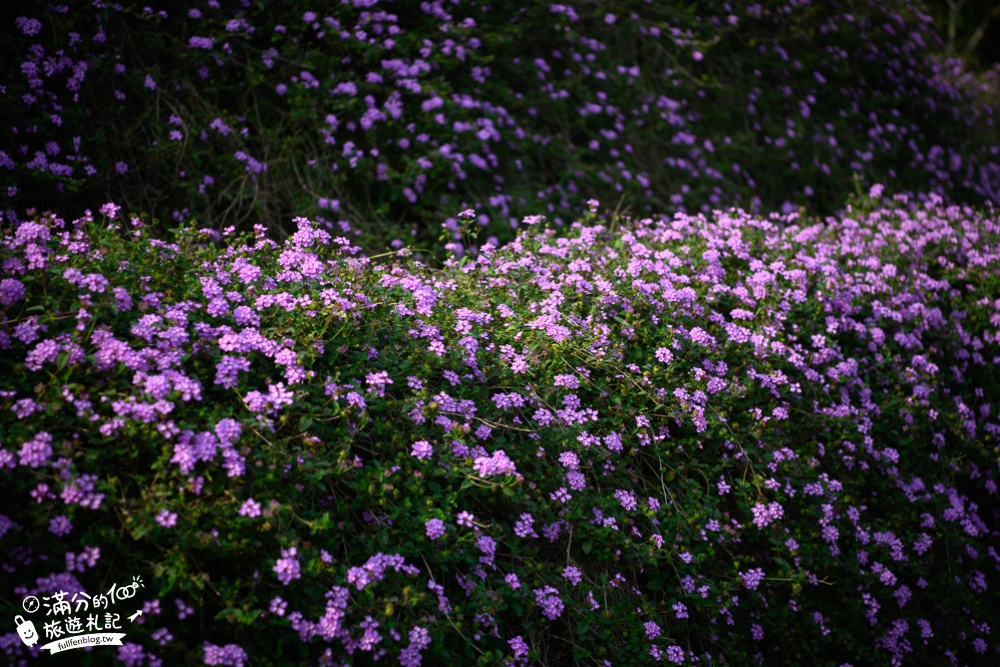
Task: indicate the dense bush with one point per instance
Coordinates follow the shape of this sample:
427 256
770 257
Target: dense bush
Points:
716 440
383 119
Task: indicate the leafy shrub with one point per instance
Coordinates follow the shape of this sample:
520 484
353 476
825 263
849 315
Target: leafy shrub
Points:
382 119
722 439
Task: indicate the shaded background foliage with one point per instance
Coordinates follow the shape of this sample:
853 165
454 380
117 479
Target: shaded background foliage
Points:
383 119
970 30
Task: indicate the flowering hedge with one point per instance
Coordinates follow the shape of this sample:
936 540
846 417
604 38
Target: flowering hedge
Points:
383 118
716 439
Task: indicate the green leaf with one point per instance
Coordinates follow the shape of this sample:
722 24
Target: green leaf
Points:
305 421
587 547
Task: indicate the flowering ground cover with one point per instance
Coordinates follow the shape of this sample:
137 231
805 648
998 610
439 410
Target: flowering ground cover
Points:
718 439
380 119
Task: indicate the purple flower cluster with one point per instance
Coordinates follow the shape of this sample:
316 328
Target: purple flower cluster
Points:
497 463
422 449
327 467
11 291
374 570
547 598
166 518
752 578
287 567
36 452
230 655
435 528
766 514
250 508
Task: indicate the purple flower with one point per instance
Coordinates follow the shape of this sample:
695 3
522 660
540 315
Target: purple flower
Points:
512 581
28 26
664 355
626 498
166 518
548 599
356 400
422 449
227 370
60 525
420 638
287 567
702 337
465 519
434 528
131 654
250 508
573 574
569 381
561 495
228 431
26 407
497 464
752 578
5 523
36 452
569 460
122 299
11 291
523 527
765 514
652 629
488 546
377 381
277 396
201 42
278 606
230 655
183 610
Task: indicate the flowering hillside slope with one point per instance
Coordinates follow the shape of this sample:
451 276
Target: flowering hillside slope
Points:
716 439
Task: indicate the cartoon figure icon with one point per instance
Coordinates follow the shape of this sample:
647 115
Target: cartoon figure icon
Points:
30 604
26 630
